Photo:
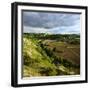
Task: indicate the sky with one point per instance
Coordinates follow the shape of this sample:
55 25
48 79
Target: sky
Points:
52 23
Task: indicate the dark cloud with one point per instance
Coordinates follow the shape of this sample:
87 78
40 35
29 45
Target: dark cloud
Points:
49 20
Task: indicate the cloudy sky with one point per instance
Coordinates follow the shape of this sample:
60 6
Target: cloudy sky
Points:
53 23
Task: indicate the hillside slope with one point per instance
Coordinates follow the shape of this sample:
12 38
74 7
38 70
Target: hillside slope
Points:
40 61
36 62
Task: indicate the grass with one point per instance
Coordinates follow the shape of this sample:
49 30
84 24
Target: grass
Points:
35 58
49 57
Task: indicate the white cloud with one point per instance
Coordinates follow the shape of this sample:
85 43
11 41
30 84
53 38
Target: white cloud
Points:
28 29
57 30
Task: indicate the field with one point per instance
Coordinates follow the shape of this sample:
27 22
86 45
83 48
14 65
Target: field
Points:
51 54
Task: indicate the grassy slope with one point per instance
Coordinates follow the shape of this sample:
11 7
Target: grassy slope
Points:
37 63
35 59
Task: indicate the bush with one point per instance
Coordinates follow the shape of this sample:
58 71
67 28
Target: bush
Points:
54 49
26 58
48 71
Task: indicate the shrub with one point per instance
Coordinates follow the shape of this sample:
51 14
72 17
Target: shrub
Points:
26 58
48 71
54 49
